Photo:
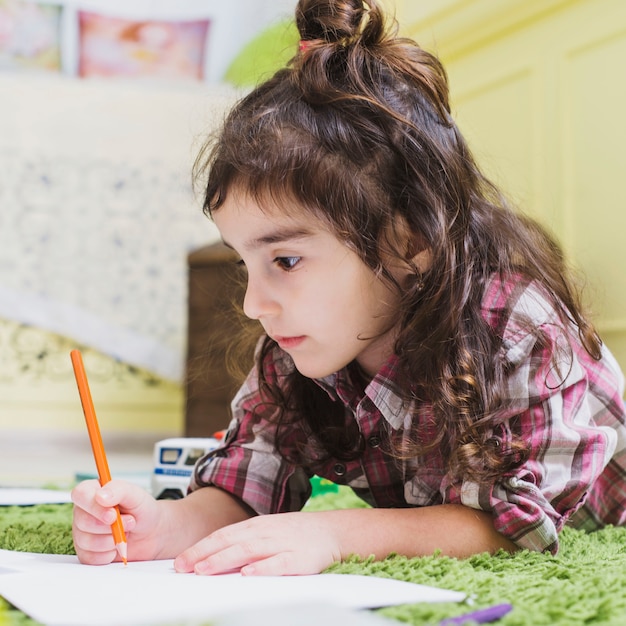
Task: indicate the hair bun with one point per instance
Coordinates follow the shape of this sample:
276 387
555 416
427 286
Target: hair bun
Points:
339 21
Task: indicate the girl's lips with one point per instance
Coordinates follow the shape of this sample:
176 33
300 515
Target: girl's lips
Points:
289 342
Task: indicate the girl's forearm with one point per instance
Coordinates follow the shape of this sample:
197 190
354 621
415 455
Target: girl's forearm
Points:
453 530
450 529
186 521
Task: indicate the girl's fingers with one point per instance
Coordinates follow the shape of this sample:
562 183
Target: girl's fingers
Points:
127 496
232 558
265 560
83 495
96 544
281 544
98 558
226 549
282 564
251 553
99 502
85 499
87 523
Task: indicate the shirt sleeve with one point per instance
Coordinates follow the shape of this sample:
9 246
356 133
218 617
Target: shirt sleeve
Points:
558 401
247 464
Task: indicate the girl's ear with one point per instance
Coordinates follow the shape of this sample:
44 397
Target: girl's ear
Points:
422 260
411 244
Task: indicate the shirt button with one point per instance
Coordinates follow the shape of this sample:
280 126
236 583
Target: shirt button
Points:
339 469
374 441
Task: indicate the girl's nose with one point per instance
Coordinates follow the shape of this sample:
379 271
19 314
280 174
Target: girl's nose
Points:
257 302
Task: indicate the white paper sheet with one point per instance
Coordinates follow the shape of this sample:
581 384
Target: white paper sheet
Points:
25 496
59 591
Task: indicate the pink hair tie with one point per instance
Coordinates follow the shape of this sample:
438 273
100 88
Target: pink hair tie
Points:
304 45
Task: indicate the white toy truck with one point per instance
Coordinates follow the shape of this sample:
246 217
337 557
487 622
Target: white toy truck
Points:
174 460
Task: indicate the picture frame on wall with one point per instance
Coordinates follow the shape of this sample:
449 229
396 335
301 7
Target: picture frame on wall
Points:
30 36
185 40
117 47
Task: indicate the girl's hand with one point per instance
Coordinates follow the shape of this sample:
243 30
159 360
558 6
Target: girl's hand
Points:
94 513
268 545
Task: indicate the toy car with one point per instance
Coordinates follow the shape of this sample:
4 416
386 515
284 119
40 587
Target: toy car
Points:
174 460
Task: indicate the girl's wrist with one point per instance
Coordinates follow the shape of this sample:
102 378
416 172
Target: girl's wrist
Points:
169 531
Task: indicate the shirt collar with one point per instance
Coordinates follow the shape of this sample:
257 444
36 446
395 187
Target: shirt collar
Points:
382 391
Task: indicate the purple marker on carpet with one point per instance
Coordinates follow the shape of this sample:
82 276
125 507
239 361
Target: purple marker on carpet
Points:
482 616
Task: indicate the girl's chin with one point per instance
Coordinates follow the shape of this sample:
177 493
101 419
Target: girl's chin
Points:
314 370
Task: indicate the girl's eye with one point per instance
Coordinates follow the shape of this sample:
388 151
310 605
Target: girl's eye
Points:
287 263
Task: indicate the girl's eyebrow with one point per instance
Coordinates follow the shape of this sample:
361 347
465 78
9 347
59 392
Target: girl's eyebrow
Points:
280 235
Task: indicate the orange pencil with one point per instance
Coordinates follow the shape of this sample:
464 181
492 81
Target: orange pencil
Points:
96 445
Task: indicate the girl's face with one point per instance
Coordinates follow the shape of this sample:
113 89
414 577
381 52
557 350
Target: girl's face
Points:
312 294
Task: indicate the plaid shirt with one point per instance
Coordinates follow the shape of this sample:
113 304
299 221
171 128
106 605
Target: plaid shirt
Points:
567 405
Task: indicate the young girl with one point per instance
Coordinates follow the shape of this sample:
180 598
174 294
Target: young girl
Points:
422 342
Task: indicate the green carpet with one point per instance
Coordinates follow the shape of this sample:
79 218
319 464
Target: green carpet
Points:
584 584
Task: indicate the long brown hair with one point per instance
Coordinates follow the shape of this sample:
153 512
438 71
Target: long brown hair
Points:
358 130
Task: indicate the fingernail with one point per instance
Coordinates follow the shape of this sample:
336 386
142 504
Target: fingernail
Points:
180 565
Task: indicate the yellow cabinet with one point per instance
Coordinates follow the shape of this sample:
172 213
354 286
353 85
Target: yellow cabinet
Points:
538 88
